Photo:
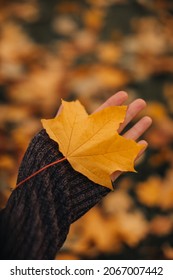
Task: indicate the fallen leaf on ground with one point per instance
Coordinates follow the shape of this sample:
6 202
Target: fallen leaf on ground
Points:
148 192
161 225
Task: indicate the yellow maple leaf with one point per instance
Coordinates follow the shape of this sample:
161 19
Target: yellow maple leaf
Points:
91 143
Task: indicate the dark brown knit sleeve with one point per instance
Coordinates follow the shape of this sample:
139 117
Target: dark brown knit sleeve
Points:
38 214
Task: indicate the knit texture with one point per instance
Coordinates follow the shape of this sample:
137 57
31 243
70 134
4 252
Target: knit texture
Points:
38 214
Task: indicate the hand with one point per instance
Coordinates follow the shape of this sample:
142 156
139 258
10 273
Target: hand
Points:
137 130
133 109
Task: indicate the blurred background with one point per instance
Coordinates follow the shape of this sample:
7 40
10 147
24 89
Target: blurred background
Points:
88 50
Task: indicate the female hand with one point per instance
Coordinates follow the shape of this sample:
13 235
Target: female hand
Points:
134 108
138 129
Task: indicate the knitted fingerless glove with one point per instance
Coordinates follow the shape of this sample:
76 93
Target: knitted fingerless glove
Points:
38 214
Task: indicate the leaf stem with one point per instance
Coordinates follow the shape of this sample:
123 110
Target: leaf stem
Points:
40 170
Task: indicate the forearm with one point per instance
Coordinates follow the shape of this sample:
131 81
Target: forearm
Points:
36 220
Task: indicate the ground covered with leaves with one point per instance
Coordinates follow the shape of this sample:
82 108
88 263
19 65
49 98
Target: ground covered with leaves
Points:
88 50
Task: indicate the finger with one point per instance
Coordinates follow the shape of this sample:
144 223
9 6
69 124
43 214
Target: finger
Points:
145 145
133 109
59 110
116 100
139 128
116 174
